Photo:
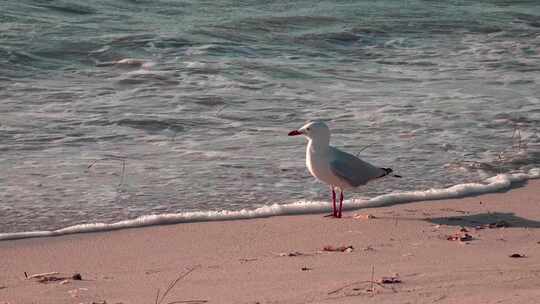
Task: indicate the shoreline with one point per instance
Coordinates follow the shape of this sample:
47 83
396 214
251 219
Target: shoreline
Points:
494 184
282 259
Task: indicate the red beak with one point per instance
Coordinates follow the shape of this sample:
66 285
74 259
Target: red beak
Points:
295 132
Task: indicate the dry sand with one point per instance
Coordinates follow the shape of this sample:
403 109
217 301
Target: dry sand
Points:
240 261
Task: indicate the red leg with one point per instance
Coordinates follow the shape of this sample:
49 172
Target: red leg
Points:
340 204
334 213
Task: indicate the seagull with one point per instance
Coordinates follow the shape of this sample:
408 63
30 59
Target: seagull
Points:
340 170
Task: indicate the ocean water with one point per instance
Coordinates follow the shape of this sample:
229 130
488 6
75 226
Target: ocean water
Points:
123 113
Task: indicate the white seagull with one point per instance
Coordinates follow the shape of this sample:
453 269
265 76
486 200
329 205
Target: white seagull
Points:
334 167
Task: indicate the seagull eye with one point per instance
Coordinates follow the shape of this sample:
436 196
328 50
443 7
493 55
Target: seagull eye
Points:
308 129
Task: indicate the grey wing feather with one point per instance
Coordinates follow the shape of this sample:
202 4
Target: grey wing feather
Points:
353 170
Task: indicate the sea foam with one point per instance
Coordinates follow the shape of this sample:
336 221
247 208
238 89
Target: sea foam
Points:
496 183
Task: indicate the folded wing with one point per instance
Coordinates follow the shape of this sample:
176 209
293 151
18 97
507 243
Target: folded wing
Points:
353 170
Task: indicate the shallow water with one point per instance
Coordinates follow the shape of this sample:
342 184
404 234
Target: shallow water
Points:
185 105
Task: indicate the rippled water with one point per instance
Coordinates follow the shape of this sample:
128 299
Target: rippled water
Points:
114 109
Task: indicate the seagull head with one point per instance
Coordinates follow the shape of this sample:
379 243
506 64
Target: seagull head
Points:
315 130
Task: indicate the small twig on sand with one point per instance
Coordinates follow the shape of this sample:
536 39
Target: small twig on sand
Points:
157 296
343 287
159 299
372 282
41 275
361 282
189 301
294 254
49 277
372 275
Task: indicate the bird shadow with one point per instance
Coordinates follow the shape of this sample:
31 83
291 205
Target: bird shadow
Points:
483 219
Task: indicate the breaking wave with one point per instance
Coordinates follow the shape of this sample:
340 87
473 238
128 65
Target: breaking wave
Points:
496 183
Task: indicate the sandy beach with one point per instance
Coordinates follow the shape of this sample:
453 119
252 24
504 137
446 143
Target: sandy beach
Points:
282 259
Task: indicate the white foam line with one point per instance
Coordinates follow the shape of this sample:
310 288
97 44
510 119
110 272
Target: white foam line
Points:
493 184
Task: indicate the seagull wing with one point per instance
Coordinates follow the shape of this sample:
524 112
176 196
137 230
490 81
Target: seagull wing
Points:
353 170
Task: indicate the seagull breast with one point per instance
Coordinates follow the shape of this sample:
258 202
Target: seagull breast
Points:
318 162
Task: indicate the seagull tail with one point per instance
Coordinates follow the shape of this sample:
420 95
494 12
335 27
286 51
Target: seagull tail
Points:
388 171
